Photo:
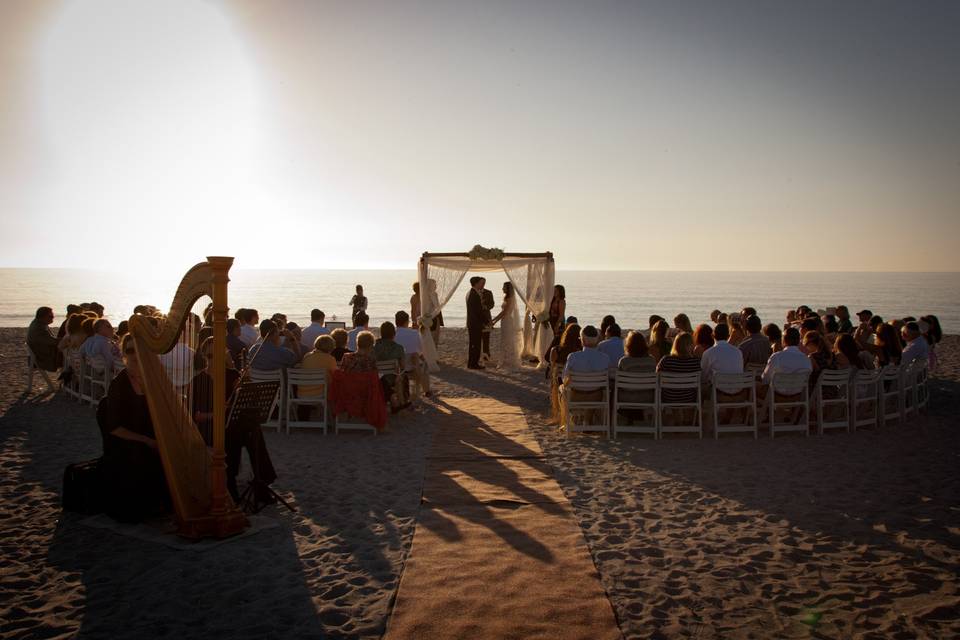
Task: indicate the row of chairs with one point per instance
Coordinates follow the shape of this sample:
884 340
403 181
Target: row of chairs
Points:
738 403
91 376
284 413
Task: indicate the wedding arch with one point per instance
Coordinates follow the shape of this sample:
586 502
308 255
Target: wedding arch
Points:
532 275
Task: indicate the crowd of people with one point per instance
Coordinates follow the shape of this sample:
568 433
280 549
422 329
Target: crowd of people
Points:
808 341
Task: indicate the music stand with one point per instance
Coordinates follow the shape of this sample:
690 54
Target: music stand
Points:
255 398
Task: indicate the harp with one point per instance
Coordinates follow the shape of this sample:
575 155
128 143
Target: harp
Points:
196 478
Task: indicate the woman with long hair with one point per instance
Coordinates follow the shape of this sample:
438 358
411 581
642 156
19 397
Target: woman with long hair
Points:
887 345
702 339
659 345
681 359
682 322
849 354
558 308
569 342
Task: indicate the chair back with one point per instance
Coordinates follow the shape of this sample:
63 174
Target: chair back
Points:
262 375
890 375
756 370
865 382
634 381
387 367
789 384
733 382
833 378
312 377
673 380
588 381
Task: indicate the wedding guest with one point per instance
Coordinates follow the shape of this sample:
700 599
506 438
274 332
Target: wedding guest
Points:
589 359
756 347
102 343
558 309
387 349
682 323
415 305
916 344
864 315
249 332
612 345
42 342
886 346
360 322
737 334
340 337
930 325
773 334
235 345
702 339
679 360
722 357
320 358
659 345
361 360
605 322
269 355
569 343
294 334
309 335
715 316
71 309
830 329
637 358
849 354
820 354
359 304
788 360
723 318
409 339
843 320
74 335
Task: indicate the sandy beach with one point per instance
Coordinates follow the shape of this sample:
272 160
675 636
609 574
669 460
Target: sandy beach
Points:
845 536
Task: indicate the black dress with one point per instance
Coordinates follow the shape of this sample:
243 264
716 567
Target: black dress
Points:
134 484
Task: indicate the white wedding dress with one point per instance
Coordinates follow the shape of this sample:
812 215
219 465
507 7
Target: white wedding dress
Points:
511 334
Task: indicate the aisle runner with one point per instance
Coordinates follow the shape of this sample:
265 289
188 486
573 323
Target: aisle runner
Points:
497 552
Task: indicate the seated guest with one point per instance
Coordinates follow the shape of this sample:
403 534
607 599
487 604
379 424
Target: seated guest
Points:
849 354
268 355
844 325
235 345
604 323
702 339
612 345
820 354
71 309
361 320
42 342
637 358
294 334
830 329
737 335
886 345
789 360
917 347
308 338
755 347
569 343
774 336
361 360
680 360
659 345
132 476
320 358
74 336
715 316
340 337
930 327
682 323
587 360
102 343
791 318
722 357
409 339
810 324
249 332
388 349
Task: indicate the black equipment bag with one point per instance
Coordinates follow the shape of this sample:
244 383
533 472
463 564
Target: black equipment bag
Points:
81 487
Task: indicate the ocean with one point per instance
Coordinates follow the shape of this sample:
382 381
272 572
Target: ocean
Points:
631 296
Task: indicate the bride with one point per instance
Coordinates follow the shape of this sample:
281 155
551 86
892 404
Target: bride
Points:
510 330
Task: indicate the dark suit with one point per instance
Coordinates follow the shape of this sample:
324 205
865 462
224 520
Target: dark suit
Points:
486 297
477 317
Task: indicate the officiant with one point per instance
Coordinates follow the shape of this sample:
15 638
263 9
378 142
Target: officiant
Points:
486 298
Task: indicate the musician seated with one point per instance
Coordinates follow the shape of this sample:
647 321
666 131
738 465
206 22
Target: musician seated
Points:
243 433
134 484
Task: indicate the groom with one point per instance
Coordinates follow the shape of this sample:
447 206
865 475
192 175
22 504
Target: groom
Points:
477 319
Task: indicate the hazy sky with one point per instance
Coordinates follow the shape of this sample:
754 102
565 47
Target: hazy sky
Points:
628 135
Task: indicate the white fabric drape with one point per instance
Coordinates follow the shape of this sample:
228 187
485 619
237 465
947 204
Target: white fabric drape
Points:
532 279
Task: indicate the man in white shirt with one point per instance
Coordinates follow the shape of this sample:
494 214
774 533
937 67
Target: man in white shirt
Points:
249 329
589 360
722 357
409 339
316 329
362 320
917 347
612 346
790 360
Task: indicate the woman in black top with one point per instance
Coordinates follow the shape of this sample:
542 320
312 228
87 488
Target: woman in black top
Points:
133 481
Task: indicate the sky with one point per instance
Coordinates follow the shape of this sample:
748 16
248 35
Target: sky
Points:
669 135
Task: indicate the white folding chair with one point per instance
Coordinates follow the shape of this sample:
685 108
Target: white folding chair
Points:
635 383
864 398
891 394
756 370
99 372
297 380
679 382
259 375
583 383
908 379
795 401
921 372
734 384
832 394
33 367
